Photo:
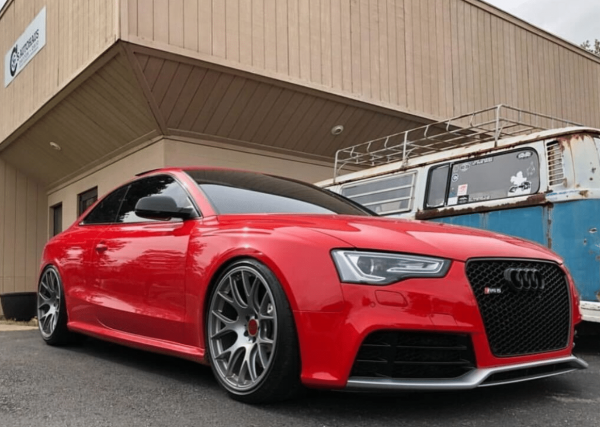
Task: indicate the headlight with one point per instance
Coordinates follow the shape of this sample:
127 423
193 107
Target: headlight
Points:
383 268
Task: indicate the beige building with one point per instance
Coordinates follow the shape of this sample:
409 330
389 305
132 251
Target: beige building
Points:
95 91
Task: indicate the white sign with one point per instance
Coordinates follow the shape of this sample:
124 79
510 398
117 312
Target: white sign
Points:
25 48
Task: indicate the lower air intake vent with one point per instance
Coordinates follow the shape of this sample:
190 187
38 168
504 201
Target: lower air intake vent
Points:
414 355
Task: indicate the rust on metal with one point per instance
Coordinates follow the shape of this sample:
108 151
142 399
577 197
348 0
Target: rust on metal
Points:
549 229
584 193
534 200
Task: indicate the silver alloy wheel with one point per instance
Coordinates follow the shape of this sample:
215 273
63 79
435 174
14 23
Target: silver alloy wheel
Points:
48 302
242 329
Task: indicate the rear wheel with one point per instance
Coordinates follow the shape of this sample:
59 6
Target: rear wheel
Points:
252 341
51 309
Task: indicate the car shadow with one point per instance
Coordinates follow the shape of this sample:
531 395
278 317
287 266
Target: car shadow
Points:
349 408
181 370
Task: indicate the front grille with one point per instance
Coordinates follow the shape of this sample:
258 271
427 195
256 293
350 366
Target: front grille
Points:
520 322
414 355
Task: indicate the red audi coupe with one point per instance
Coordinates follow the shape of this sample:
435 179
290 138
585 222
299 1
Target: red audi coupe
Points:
279 285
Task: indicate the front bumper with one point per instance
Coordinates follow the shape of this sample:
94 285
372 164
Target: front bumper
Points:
330 342
483 377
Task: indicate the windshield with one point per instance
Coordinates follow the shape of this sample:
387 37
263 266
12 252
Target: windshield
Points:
237 192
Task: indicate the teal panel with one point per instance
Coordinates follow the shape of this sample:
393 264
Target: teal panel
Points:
470 220
529 223
571 229
576 237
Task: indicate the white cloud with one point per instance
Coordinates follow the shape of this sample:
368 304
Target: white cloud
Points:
574 20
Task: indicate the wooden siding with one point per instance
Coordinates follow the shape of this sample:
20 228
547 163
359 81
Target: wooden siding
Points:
23 229
77 32
438 58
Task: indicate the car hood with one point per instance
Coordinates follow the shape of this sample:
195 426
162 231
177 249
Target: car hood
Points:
397 235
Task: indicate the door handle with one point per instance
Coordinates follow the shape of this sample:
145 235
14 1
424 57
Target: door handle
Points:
101 247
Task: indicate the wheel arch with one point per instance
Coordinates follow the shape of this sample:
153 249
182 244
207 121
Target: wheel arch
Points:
228 262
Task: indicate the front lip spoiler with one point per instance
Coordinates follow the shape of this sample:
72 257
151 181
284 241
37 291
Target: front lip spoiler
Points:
475 378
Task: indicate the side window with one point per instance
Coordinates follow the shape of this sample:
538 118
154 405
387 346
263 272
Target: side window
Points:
386 195
106 211
500 176
156 185
436 186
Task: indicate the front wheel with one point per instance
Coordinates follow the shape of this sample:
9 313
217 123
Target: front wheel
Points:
251 338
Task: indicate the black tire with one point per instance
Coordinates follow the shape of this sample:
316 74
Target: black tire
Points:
52 310
251 338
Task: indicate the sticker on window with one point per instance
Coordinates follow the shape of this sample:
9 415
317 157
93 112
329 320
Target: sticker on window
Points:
462 190
520 185
482 161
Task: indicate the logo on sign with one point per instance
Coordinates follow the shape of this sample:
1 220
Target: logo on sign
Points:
14 60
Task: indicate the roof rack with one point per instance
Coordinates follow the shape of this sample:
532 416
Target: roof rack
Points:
491 124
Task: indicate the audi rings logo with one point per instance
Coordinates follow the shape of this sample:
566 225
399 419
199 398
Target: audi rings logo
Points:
524 279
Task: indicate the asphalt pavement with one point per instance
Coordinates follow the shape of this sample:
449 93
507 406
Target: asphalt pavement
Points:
101 384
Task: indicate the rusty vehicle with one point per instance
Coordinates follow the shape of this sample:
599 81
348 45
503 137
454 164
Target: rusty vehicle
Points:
501 169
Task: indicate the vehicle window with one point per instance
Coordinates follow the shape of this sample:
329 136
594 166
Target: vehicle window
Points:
106 211
438 182
486 178
237 192
155 185
385 195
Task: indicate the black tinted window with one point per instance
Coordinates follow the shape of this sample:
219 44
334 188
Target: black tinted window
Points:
236 192
106 211
156 185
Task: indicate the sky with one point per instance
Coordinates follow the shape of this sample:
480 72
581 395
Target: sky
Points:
573 20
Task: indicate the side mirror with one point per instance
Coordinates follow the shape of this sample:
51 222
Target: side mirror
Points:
161 207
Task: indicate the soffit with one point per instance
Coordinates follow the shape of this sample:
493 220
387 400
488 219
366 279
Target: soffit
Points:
193 98
98 118
134 93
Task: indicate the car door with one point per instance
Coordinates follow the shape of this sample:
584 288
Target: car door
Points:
80 258
140 266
